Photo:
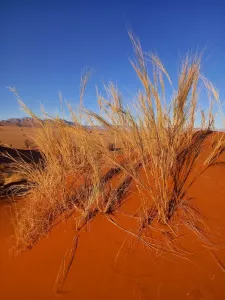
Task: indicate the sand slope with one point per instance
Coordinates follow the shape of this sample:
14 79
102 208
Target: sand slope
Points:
102 270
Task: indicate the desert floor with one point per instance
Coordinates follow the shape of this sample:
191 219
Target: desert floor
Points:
109 264
15 136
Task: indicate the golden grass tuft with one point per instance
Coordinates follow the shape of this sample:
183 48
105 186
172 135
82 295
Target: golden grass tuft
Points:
160 151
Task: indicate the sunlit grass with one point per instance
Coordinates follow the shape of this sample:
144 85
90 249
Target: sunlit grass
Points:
159 151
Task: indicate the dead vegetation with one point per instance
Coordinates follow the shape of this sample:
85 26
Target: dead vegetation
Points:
160 152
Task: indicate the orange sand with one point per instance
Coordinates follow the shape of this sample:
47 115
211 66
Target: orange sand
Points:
107 268
101 270
15 136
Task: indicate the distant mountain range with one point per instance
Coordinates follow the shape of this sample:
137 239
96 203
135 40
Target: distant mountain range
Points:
29 122
23 122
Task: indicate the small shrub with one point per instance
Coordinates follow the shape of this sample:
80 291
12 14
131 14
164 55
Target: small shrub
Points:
28 143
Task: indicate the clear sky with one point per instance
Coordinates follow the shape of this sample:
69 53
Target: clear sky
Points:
44 45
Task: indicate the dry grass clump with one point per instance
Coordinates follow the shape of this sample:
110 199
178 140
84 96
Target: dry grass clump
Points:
161 137
68 170
72 176
160 151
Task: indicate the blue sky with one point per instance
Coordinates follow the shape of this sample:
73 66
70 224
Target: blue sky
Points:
46 44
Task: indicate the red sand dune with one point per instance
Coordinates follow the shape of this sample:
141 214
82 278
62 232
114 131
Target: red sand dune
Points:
109 264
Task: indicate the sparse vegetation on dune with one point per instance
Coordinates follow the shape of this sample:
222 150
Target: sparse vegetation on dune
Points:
160 152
